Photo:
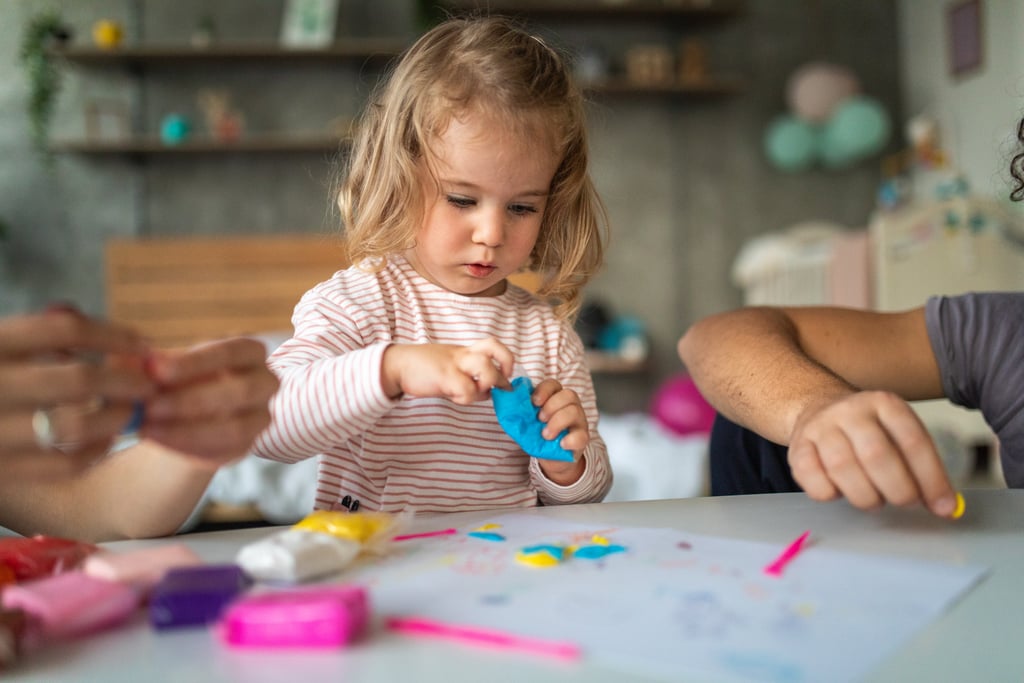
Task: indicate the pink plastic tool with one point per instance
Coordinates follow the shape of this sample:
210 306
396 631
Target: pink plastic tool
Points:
425 534
776 566
320 616
485 637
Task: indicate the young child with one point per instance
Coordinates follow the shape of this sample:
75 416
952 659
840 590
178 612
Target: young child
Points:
470 165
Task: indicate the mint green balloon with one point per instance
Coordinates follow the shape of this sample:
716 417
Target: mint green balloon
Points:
859 128
791 144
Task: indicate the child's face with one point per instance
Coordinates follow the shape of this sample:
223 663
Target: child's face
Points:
482 225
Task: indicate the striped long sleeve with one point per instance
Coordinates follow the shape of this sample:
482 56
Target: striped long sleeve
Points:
427 454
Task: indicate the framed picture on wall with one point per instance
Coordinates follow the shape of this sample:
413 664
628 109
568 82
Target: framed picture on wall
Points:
963 19
308 23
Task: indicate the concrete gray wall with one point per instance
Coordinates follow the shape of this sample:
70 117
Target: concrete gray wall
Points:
684 180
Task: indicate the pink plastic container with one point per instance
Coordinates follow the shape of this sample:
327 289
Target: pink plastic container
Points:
141 568
72 603
319 616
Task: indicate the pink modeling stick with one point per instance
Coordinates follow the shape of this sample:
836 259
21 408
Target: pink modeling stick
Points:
780 562
418 626
425 534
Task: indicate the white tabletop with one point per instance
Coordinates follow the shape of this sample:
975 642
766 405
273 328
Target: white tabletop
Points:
978 639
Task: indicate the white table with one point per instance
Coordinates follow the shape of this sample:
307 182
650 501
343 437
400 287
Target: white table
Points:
979 639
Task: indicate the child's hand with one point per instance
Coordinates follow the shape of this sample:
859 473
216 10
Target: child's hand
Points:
463 374
560 409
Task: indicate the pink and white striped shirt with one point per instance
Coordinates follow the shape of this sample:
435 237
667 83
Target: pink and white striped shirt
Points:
424 454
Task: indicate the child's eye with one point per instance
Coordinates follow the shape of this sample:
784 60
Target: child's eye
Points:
460 202
522 209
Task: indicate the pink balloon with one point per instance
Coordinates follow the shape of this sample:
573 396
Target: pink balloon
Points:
679 407
815 90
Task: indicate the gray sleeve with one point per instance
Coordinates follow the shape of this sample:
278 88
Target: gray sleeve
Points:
978 340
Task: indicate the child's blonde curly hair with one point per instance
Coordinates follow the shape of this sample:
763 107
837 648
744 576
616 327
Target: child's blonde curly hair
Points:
481 64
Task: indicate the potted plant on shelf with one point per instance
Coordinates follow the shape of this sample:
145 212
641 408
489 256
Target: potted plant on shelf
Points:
43 31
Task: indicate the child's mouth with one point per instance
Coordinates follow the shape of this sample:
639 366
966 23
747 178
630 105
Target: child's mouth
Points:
479 269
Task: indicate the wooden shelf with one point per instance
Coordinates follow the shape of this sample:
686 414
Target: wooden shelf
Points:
152 55
707 88
602 362
152 145
642 10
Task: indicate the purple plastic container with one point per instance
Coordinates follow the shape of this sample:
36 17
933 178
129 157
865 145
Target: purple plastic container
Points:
195 596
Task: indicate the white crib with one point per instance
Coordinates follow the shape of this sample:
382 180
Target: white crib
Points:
904 256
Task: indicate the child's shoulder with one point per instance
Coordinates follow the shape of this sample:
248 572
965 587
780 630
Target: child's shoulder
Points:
356 280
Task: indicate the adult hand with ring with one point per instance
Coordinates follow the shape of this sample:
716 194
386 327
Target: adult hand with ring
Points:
68 385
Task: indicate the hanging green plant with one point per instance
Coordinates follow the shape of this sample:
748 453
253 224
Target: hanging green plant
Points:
43 31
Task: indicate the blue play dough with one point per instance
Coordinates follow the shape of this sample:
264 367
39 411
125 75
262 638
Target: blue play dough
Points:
518 417
596 552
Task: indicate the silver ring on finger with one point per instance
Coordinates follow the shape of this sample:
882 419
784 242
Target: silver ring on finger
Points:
42 427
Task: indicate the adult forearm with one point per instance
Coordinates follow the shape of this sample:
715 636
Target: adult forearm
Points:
140 492
146 491
750 365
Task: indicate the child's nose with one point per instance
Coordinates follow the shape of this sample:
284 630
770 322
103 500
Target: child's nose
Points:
490 229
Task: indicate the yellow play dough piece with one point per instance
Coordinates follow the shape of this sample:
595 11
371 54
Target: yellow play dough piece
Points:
542 555
355 526
487 527
961 505
540 559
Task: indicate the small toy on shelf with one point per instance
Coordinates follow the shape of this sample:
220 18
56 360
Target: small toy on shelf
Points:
693 61
175 129
107 34
222 122
205 33
649 65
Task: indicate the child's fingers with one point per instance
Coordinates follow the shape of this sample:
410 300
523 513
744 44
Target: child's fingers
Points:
497 352
570 417
575 441
543 392
551 398
484 373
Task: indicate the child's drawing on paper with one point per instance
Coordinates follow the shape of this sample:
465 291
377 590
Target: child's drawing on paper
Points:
671 604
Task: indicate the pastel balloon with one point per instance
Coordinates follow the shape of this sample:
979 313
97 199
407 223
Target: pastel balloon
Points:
816 89
791 144
679 407
859 129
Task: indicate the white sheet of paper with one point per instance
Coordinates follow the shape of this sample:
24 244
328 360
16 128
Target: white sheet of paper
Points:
674 604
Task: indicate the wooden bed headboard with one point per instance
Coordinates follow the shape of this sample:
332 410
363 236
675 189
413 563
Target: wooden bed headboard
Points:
183 290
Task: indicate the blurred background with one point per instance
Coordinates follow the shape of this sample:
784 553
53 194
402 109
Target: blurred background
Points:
748 151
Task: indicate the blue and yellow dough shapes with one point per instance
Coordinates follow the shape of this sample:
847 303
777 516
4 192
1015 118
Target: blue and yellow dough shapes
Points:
542 556
601 547
487 533
518 417
550 555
